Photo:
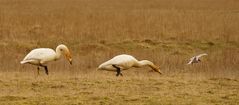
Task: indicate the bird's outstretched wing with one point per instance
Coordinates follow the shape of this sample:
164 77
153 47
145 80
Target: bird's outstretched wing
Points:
191 60
200 55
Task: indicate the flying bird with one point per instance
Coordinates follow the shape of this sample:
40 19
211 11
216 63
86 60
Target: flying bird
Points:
41 56
195 59
124 62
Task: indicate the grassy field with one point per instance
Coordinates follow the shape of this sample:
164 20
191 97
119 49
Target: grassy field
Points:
102 89
167 32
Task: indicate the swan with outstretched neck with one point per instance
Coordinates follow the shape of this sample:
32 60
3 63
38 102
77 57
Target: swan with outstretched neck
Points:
124 62
41 56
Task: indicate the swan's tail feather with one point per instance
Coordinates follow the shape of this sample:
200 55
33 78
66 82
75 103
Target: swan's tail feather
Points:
25 61
22 62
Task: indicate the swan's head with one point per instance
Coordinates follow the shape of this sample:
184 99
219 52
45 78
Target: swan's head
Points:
157 70
64 51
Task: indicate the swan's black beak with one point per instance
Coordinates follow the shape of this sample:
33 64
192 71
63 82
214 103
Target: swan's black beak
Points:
70 61
159 71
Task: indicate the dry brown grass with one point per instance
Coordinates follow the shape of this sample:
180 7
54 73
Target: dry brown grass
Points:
103 89
168 32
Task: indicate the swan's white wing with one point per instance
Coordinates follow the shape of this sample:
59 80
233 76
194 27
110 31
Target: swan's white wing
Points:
40 54
200 55
123 61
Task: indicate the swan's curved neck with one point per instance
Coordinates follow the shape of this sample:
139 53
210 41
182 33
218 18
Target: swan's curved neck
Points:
148 63
58 53
144 63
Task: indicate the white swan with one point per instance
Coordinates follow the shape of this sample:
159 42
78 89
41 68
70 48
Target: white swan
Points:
195 59
124 62
41 56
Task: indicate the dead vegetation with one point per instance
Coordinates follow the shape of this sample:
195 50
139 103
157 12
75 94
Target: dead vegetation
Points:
97 88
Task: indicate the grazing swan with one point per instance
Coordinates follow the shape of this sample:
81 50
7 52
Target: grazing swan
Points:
124 62
41 56
196 59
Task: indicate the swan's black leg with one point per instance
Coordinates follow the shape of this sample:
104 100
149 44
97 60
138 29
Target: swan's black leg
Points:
118 70
46 70
38 70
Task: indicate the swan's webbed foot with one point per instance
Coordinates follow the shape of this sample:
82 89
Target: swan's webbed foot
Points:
119 74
